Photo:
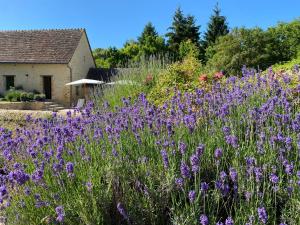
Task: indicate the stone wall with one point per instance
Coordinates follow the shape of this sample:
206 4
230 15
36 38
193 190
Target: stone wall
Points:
80 63
30 77
22 105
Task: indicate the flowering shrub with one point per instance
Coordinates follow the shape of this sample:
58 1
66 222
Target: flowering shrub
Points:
228 156
181 75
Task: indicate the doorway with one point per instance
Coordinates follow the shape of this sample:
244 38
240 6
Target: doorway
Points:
47 85
10 82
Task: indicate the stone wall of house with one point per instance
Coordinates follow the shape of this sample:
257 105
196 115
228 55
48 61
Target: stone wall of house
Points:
80 63
30 77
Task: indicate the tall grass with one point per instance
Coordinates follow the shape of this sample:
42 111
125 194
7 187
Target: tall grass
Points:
140 76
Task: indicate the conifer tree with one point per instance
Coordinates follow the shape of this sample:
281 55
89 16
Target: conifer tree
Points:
217 27
183 28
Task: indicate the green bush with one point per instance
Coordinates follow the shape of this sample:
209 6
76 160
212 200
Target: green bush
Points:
26 96
188 48
289 65
39 97
180 75
13 95
254 48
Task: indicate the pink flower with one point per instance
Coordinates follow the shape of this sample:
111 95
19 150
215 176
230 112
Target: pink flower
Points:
218 75
203 77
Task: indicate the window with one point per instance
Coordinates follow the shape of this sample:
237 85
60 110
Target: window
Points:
10 82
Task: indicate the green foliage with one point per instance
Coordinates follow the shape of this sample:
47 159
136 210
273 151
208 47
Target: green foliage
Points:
240 47
131 51
290 212
150 42
216 28
26 96
285 40
149 31
180 75
254 48
183 28
188 48
39 97
287 65
108 58
14 95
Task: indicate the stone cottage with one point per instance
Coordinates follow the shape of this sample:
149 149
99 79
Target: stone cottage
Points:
44 61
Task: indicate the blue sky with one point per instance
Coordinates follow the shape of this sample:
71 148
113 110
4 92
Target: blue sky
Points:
112 22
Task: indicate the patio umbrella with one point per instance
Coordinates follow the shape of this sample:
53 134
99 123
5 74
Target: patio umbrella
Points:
84 82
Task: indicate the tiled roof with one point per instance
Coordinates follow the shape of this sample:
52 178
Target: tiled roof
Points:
39 46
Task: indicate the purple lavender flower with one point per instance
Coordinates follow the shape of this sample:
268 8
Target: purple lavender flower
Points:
89 186
258 174
262 214
232 140
200 150
204 187
192 196
60 214
229 221
37 175
165 158
3 191
27 191
179 182
218 153
223 175
204 219
289 168
70 167
122 211
194 159
226 130
248 196
182 147
185 170
233 174
274 178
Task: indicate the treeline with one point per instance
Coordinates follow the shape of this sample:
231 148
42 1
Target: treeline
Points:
218 49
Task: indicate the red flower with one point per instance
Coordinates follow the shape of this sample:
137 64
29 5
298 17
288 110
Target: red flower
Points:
203 77
218 75
148 79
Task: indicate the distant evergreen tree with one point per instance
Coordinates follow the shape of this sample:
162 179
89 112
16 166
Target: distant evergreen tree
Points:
150 42
149 31
217 27
182 29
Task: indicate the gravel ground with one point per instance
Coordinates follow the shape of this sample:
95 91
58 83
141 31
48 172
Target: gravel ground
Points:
11 119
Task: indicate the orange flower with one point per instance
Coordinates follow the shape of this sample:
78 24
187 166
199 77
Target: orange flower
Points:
218 75
203 77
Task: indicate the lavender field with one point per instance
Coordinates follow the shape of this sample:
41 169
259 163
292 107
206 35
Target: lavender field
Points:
228 155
